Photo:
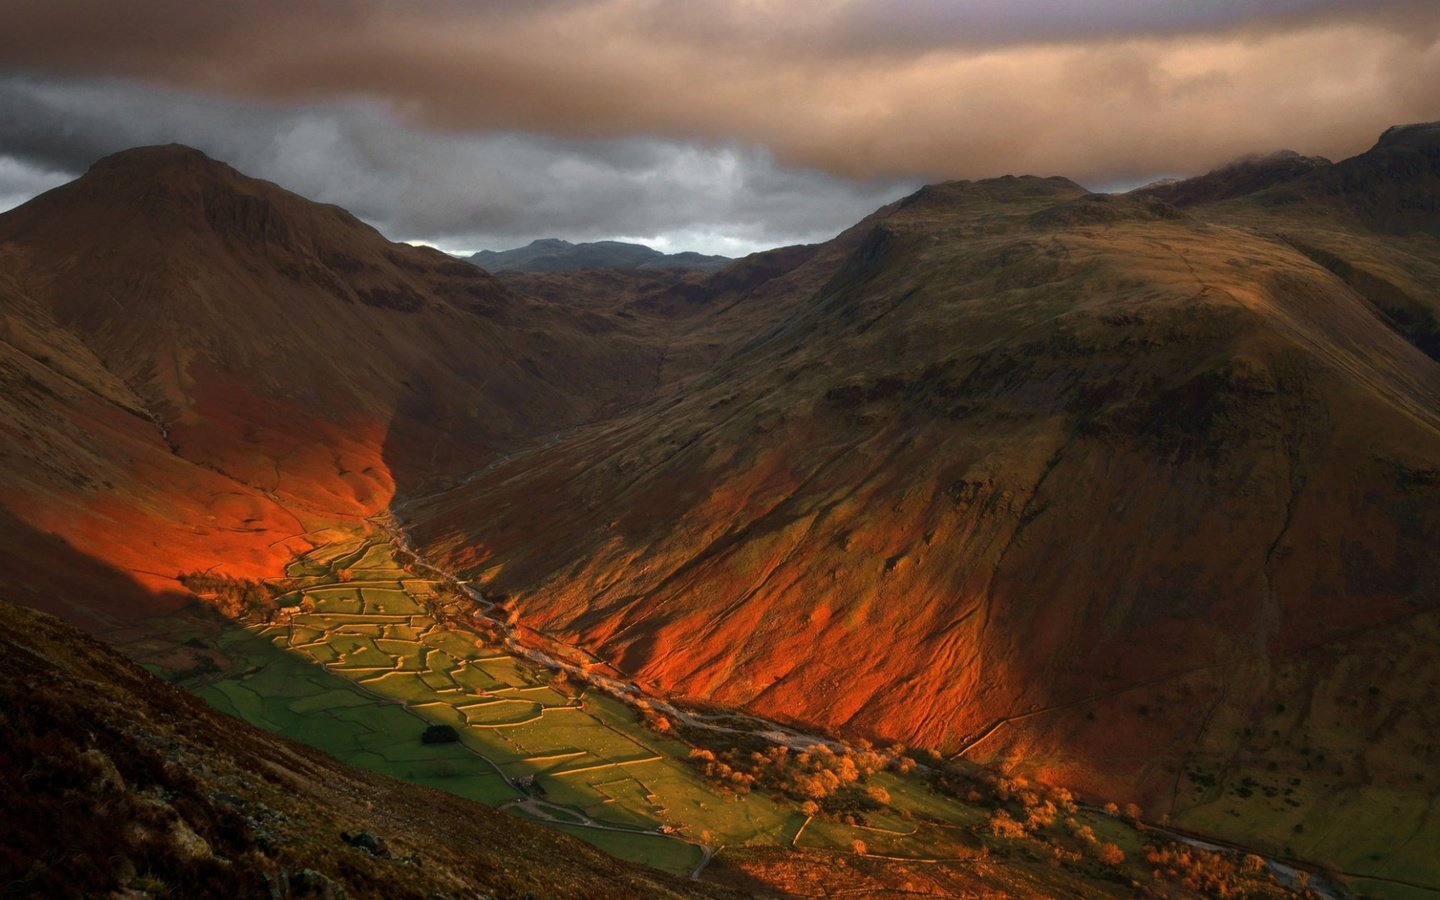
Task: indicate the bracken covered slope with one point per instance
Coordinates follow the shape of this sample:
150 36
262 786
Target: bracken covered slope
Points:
115 783
1142 499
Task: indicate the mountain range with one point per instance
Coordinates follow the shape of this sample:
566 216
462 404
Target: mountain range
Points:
555 255
1135 494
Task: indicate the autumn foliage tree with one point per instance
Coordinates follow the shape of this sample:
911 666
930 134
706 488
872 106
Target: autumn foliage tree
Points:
819 777
235 597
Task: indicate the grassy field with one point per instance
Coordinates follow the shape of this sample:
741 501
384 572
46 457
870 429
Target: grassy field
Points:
362 657
359 668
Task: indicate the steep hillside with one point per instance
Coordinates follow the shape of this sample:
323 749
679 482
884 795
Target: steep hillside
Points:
202 369
113 781
1139 500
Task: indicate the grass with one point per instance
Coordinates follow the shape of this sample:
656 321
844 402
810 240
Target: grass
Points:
362 670
378 646
656 851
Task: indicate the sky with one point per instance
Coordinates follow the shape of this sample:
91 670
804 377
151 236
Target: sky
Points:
723 126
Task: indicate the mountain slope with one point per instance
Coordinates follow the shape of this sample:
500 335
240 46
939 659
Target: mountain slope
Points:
113 780
1126 497
203 369
555 255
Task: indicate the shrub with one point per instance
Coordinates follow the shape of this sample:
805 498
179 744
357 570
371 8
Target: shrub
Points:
1001 825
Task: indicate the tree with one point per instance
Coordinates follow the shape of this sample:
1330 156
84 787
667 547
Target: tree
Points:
440 734
1111 855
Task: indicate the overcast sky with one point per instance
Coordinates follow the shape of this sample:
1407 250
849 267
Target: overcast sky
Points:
722 126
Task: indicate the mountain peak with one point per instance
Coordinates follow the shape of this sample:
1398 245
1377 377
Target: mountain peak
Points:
177 191
177 165
156 154
1416 134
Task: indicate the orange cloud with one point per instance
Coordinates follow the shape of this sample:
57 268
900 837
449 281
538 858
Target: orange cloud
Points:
1095 103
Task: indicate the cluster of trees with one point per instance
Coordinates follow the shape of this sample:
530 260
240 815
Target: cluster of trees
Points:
819 777
1023 808
1214 874
235 597
1108 853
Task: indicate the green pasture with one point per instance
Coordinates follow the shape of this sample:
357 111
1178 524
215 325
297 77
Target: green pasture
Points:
360 668
656 851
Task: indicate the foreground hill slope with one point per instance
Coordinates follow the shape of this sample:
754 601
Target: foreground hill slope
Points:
113 780
1141 499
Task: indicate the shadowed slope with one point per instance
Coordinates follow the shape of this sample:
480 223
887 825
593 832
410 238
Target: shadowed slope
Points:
142 786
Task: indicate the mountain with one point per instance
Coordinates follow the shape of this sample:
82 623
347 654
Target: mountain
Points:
202 369
1136 495
1240 178
115 782
1137 498
555 255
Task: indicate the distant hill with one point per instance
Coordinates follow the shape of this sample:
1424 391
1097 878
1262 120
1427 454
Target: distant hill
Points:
555 255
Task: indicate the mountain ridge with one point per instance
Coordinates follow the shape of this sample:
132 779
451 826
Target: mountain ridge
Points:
556 255
1093 467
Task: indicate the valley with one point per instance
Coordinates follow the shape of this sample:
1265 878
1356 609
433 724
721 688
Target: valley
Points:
358 654
1015 540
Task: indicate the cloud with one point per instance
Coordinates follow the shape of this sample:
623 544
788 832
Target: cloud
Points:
1104 91
460 191
21 180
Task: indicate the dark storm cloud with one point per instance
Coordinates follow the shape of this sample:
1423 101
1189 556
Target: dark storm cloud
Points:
1104 91
461 191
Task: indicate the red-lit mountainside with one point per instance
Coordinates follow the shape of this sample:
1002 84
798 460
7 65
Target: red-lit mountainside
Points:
202 370
1141 497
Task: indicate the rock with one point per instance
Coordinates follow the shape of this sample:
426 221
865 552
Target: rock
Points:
187 843
367 841
310 883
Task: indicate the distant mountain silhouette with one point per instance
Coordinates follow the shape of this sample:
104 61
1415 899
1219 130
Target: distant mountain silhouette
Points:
1236 179
555 255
